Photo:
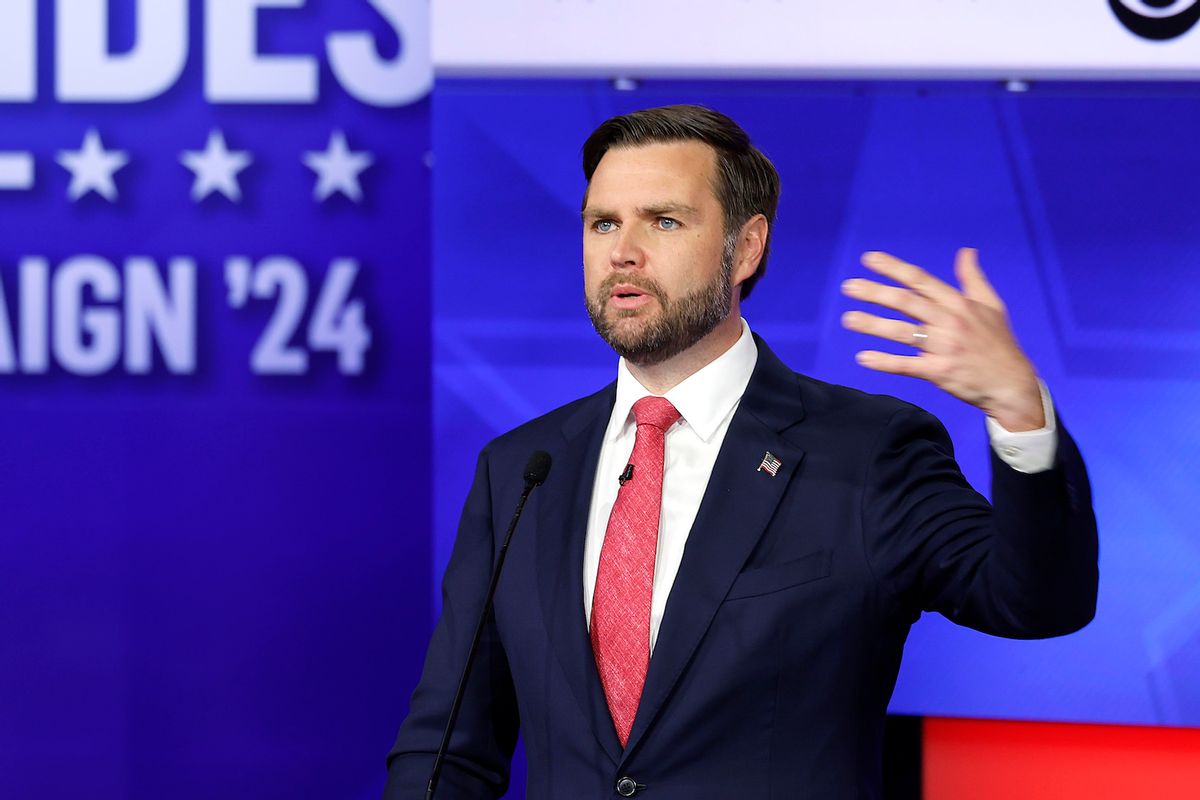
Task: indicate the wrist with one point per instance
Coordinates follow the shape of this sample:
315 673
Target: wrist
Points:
1021 409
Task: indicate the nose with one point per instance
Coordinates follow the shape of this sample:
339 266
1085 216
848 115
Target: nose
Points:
627 250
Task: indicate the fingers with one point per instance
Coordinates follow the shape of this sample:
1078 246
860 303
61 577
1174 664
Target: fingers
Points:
892 329
910 275
970 276
893 297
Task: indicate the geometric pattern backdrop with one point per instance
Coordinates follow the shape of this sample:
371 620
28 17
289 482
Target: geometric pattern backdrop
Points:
1082 202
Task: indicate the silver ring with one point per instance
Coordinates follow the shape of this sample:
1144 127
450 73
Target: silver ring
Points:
920 337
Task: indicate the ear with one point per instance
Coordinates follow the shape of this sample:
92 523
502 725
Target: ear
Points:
751 243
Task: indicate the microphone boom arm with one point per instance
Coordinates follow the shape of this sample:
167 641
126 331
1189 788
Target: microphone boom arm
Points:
535 475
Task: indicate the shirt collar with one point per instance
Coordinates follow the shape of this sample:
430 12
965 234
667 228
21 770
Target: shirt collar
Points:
703 399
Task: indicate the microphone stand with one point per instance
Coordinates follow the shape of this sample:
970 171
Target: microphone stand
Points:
535 474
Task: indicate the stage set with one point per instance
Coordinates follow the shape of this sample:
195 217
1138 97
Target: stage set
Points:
272 273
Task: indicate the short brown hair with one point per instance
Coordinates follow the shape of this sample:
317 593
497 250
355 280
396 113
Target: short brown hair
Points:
747 182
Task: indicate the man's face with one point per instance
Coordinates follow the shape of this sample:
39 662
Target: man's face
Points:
657 271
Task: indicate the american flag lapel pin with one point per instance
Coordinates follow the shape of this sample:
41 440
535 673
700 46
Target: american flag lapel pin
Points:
770 464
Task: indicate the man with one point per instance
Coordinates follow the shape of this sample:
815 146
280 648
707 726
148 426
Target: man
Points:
709 596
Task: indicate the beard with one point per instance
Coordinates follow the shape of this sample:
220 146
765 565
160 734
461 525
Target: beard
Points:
681 323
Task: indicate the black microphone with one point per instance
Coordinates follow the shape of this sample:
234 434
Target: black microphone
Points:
536 470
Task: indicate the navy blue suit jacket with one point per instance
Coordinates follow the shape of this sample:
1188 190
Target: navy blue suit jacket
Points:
782 635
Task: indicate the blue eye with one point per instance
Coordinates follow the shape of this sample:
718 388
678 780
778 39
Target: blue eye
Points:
604 226
668 224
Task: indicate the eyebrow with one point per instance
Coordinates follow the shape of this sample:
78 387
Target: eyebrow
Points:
652 210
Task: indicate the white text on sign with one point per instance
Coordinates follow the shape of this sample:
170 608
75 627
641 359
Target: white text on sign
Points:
88 317
234 70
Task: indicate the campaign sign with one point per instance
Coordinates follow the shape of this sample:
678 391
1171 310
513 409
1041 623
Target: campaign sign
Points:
214 394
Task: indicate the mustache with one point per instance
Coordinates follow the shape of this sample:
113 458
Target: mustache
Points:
647 285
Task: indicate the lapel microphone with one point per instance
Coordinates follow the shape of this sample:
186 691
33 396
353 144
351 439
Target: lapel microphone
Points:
627 475
536 470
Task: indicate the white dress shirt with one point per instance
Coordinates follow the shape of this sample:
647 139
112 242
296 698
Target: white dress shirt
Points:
706 402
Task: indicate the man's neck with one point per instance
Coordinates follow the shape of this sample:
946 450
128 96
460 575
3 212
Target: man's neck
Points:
660 378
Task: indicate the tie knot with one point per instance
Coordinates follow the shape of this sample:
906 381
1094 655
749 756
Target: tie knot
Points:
655 411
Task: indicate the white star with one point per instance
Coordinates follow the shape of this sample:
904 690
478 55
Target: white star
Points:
92 168
216 168
337 169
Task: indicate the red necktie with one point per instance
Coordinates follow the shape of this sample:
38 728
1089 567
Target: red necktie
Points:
625 580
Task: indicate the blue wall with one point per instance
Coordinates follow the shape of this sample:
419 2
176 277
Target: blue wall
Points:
217 582
213 581
1082 202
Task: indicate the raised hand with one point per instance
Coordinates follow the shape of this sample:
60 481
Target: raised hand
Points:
964 342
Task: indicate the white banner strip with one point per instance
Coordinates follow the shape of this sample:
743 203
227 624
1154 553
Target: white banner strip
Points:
1003 39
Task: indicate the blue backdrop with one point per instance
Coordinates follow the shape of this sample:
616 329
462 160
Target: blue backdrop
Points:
218 573
1081 200
214 578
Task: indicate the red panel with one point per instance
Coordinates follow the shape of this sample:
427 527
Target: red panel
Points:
991 760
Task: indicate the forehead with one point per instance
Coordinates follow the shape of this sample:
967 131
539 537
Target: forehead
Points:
662 171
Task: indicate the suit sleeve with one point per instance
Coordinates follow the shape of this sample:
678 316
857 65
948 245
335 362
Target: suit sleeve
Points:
480 752
1023 568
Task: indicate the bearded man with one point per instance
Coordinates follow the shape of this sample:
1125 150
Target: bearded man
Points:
710 596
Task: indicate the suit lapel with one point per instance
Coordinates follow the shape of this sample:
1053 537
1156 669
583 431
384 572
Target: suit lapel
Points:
562 527
737 505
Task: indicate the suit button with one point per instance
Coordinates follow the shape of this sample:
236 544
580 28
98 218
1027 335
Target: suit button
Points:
627 787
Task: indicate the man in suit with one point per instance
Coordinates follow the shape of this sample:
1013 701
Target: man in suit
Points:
709 596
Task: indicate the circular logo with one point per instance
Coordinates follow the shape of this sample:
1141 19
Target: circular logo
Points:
1157 19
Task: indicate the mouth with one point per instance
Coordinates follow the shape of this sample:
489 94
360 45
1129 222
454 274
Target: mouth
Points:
625 297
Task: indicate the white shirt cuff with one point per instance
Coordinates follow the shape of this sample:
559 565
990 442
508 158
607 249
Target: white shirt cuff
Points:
1027 451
